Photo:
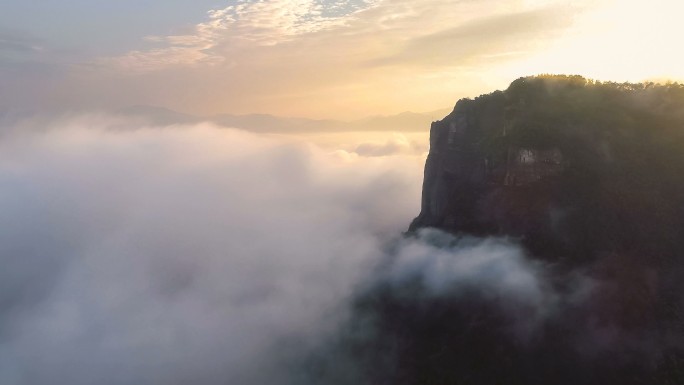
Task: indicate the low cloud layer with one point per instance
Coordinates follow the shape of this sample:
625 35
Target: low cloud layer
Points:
200 254
180 254
396 145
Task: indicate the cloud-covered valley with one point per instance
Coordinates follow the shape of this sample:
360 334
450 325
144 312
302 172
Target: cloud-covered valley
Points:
180 254
203 254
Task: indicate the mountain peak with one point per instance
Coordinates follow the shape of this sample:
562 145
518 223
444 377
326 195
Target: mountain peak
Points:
564 163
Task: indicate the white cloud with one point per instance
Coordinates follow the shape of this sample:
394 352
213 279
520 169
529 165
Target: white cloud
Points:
396 145
181 254
405 25
249 23
351 59
327 59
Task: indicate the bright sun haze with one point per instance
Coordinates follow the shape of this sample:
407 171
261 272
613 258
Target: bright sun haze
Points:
320 59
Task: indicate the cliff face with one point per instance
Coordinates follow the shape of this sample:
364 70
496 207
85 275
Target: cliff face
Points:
573 168
589 177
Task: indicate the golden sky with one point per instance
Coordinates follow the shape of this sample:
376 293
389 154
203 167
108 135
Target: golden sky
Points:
346 59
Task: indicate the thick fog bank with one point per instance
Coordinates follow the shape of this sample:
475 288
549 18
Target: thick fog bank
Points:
185 254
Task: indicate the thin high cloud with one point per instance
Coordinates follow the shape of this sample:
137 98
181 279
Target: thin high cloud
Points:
267 23
247 24
323 59
13 41
351 59
499 36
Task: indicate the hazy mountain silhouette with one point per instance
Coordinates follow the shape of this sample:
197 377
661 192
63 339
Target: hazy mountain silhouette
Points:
406 121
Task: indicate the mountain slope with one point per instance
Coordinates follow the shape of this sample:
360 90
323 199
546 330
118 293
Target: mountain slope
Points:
575 168
556 253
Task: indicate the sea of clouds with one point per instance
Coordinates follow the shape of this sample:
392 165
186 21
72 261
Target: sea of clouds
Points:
182 254
202 254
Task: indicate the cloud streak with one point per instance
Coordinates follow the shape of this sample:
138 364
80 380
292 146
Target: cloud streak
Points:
247 24
268 23
12 41
330 59
351 59
496 36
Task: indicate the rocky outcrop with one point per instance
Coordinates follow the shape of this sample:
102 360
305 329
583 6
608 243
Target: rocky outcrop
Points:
464 181
567 165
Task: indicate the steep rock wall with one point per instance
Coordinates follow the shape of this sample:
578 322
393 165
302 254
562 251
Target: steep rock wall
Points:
572 168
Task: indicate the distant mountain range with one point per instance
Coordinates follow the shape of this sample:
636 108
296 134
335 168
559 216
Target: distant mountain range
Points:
404 122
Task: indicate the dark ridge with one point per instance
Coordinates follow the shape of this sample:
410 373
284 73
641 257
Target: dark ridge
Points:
588 177
576 169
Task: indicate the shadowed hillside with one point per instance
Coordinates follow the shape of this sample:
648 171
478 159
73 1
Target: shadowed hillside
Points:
556 254
577 169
